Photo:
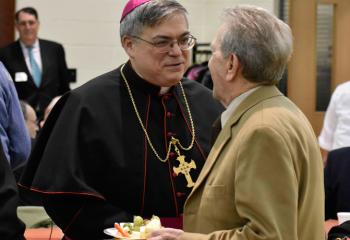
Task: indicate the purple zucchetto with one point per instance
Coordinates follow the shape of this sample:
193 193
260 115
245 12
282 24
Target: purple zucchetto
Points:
130 6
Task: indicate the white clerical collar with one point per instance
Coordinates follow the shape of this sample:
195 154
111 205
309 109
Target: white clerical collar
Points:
234 104
164 90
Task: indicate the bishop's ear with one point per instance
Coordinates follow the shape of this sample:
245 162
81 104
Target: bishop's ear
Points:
233 66
128 45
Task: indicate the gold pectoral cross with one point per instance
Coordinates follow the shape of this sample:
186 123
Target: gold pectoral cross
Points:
185 168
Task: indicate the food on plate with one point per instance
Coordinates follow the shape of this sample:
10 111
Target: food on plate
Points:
138 222
153 224
139 228
121 230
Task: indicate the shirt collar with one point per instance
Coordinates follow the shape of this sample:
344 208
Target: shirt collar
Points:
234 104
34 46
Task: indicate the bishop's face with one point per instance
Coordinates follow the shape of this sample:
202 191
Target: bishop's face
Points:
154 64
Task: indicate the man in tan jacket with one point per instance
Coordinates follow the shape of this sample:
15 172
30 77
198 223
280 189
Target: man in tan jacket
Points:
263 179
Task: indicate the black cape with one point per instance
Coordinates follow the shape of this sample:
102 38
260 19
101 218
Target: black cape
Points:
93 165
10 226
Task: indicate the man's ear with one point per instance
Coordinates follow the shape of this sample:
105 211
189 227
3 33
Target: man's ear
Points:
129 46
233 67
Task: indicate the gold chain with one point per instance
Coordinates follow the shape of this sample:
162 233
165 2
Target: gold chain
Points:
174 141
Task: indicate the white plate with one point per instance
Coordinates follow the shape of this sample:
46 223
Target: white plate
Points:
114 233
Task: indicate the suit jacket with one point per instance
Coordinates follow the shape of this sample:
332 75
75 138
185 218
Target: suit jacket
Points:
263 177
55 75
336 182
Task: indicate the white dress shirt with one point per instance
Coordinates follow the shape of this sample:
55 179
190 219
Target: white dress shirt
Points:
36 54
336 126
234 104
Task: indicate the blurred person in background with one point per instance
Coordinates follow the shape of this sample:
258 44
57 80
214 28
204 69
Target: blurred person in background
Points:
13 133
48 109
30 119
335 133
37 66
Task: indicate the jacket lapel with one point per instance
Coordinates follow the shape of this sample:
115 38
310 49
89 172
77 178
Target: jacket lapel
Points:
261 94
23 64
44 61
220 142
21 61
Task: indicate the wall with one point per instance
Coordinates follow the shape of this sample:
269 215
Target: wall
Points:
89 29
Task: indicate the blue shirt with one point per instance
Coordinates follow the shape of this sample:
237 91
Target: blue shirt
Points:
13 132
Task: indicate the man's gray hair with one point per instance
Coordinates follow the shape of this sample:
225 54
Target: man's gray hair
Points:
149 14
262 43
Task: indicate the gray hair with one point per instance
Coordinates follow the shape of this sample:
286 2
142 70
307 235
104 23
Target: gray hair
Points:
149 14
262 43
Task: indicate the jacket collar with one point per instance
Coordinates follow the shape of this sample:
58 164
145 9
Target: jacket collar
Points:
261 94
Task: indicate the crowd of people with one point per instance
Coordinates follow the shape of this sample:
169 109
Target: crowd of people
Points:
231 160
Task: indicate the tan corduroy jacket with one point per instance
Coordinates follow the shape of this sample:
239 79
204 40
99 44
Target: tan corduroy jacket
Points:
263 179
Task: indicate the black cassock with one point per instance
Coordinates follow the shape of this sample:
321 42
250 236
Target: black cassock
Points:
11 227
92 162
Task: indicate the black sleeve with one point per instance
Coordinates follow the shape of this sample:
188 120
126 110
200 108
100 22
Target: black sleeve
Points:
10 226
330 194
83 218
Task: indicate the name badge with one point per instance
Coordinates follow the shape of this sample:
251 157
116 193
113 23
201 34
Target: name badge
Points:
21 77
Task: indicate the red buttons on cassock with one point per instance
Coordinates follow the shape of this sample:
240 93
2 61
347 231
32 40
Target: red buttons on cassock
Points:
170 134
166 97
174 175
172 154
169 114
180 194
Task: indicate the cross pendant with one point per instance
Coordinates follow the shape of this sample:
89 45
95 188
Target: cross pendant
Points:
185 168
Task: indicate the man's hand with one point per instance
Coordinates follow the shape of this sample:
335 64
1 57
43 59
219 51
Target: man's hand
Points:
165 234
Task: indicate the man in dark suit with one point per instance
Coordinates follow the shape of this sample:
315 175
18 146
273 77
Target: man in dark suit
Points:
38 67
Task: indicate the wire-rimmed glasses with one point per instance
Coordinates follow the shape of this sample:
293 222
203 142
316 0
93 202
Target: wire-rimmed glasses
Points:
163 45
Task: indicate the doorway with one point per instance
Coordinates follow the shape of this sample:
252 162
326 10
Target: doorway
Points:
321 58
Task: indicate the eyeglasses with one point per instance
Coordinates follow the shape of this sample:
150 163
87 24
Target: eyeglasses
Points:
165 45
